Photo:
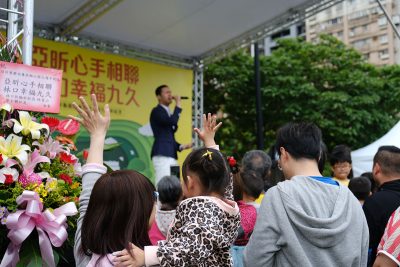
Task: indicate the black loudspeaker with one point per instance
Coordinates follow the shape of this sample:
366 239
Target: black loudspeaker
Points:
175 170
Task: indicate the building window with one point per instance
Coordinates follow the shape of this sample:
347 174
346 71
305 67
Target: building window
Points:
366 56
283 33
340 34
352 32
358 14
383 39
365 28
301 29
374 10
336 20
384 54
396 19
361 43
382 21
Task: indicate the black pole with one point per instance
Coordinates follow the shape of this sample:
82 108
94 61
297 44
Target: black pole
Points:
260 123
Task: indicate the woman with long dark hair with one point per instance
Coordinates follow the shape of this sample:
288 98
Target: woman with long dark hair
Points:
115 208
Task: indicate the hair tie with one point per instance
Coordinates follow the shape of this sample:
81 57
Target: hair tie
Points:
208 154
233 165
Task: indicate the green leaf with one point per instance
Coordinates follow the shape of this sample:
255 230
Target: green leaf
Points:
109 169
108 147
30 253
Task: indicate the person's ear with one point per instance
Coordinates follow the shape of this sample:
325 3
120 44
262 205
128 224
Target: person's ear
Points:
189 182
284 154
376 169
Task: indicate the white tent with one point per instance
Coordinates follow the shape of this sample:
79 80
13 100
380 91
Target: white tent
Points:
362 158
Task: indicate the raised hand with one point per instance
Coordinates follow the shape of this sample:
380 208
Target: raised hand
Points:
96 124
92 119
210 127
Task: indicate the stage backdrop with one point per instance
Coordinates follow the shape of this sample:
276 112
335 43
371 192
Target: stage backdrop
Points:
128 86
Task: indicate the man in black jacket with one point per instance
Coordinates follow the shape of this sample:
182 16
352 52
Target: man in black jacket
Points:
164 124
379 207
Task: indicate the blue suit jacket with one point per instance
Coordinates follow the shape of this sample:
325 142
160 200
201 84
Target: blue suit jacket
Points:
164 128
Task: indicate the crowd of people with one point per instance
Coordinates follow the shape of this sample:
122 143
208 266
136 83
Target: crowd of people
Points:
273 209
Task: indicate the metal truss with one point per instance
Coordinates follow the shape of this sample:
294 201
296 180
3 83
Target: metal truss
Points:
197 103
52 33
18 11
85 15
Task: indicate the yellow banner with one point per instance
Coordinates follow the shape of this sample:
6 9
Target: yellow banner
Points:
128 85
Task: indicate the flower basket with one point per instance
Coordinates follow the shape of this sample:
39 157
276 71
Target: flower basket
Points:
39 190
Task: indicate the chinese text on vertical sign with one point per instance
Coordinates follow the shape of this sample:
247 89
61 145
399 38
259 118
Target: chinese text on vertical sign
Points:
30 88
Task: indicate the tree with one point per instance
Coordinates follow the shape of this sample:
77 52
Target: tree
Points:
326 83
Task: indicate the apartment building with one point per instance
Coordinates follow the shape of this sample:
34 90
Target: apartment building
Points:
361 24
296 30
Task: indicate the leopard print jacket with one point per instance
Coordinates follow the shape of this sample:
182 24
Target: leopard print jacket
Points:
201 235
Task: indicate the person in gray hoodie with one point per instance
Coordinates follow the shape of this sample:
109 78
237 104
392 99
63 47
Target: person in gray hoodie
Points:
307 220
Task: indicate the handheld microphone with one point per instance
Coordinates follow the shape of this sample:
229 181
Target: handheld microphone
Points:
184 97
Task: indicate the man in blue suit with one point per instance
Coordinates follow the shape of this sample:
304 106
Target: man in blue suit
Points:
164 125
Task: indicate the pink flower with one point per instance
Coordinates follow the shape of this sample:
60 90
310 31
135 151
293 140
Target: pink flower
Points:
68 127
28 176
50 147
32 178
34 159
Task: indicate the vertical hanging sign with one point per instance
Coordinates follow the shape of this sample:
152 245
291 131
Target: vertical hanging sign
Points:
30 88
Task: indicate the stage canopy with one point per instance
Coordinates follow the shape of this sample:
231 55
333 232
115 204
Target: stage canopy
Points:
177 31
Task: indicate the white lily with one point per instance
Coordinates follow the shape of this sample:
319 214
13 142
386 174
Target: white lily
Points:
7 107
12 147
26 125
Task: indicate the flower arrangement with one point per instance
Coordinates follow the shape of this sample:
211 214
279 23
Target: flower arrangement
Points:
39 187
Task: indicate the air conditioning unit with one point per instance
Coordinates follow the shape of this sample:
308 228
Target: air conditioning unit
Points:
396 19
384 56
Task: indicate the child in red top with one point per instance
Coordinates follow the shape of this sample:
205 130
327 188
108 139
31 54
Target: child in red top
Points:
170 194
